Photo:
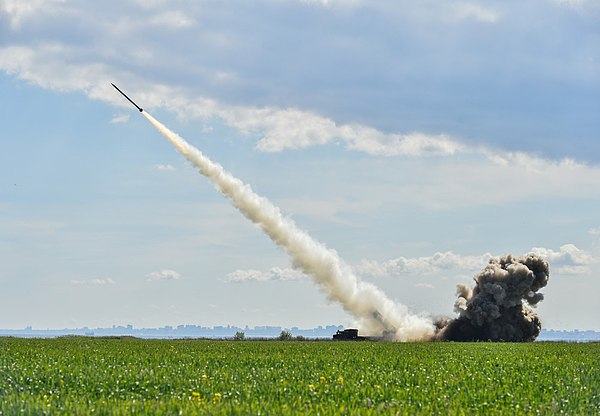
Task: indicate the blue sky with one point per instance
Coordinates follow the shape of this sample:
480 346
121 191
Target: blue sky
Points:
416 138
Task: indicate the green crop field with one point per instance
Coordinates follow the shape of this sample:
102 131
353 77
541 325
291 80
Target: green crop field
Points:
133 376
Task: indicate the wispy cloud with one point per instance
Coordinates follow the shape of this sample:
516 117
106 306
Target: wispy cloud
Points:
594 231
59 64
164 274
464 10
401 265
172 19
425 286
567 260
120 119
422 265
581 5
327 3
163 167
284 129
19 10
93 282
274 273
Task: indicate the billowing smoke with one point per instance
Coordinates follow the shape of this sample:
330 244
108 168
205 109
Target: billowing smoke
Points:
495 309
375 313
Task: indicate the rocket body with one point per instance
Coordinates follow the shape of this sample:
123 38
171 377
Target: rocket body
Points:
128 99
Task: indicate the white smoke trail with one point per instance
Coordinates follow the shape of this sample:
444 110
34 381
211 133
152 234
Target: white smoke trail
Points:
374 311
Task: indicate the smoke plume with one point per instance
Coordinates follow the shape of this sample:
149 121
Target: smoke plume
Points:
496 308
375 313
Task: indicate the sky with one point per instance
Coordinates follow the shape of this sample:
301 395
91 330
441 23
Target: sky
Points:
417 139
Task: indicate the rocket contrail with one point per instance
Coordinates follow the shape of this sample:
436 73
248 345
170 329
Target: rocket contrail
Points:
374 311
493 310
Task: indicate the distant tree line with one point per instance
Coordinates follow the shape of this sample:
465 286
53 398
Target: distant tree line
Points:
283 336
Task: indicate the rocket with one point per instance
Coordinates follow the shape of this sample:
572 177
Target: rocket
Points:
128 99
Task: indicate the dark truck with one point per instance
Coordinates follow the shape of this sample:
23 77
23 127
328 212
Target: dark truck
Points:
348 335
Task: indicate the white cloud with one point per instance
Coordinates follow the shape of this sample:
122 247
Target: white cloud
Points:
472 180
19 10
594 231
422 265
93 282
473 175
580 5
568 260
297 129
163 275
476 12
119 119
329 3
47 64
281 129
163 167
425 286
62 66
41 65
274 273
172 19
567 253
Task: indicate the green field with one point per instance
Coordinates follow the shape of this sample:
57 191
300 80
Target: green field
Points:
134 376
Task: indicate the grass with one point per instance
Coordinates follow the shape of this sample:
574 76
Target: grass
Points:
133 376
